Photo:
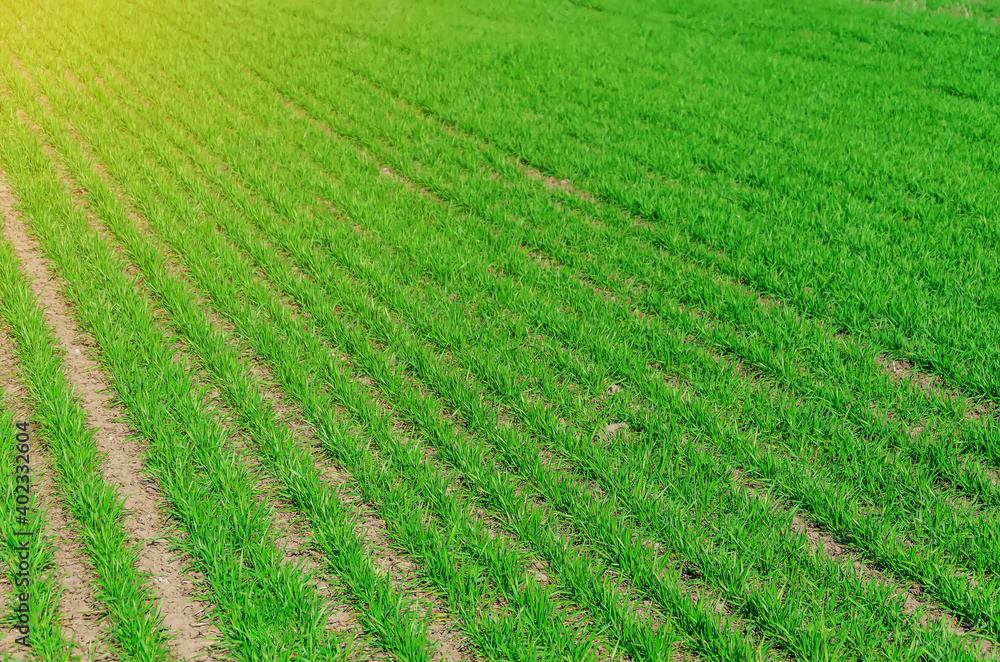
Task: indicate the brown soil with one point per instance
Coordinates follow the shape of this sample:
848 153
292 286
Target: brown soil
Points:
905 372
77 603
616 428
80 612
554 184
451 644
821 542
146 523
293 530
560 525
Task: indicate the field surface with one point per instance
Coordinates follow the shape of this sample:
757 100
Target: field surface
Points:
500 330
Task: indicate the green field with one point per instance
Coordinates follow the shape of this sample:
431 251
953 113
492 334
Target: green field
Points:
499 330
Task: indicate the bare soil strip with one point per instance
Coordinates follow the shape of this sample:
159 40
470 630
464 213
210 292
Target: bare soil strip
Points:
80 613
443 631
822 543
79 609
146 523
563 185
293 530
905 372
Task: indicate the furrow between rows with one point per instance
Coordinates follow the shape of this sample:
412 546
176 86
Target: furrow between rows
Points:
51 551
82 474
